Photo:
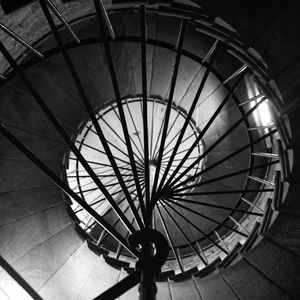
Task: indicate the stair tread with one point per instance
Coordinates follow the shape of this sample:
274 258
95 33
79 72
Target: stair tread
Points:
214 288
48 257
102 273
184 290
279 265
25 234
241 272
72 274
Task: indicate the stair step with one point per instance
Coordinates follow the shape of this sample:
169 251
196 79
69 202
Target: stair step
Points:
102 277
285 231
184 275
250 284
208 269
97 249
83 233
267 217
129 270
115 263
184 290
278 264
163 291
27 177
250 241
232 255
28 233
72 274
163 276
17 205
48 257
214 288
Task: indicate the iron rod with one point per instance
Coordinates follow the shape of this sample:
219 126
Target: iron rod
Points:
205 129
184 235
20 40
62 20
187 120
169 238
223 176
224 192
145 111
196 227
106 19
216 206
206 217
19 279
169 106
235 153
218 141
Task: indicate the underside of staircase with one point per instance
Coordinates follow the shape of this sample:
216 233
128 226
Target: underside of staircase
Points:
51 246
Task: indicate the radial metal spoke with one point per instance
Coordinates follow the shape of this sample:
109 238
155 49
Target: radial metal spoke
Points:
182 151
207 218
196 227
235 153
62 20
187 120
122 116
216 206
169 238
251 204
152 126
255 98
102 152
19 279
20 40
134 125
155 153
219 140
222 177
205 129
88 190
92 116
106 19
169 106
103 238
104 165
183 234
223 192
109 210
131 139
263 181
139 161
186 139
270 155
239 224
117 192
139 158
145 111
64 187
221 240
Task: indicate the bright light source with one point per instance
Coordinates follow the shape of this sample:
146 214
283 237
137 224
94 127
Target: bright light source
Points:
265 114
262 114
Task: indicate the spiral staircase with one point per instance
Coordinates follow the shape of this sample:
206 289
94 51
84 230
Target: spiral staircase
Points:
126 115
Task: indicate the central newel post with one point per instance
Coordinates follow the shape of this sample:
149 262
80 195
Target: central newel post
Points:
154 252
